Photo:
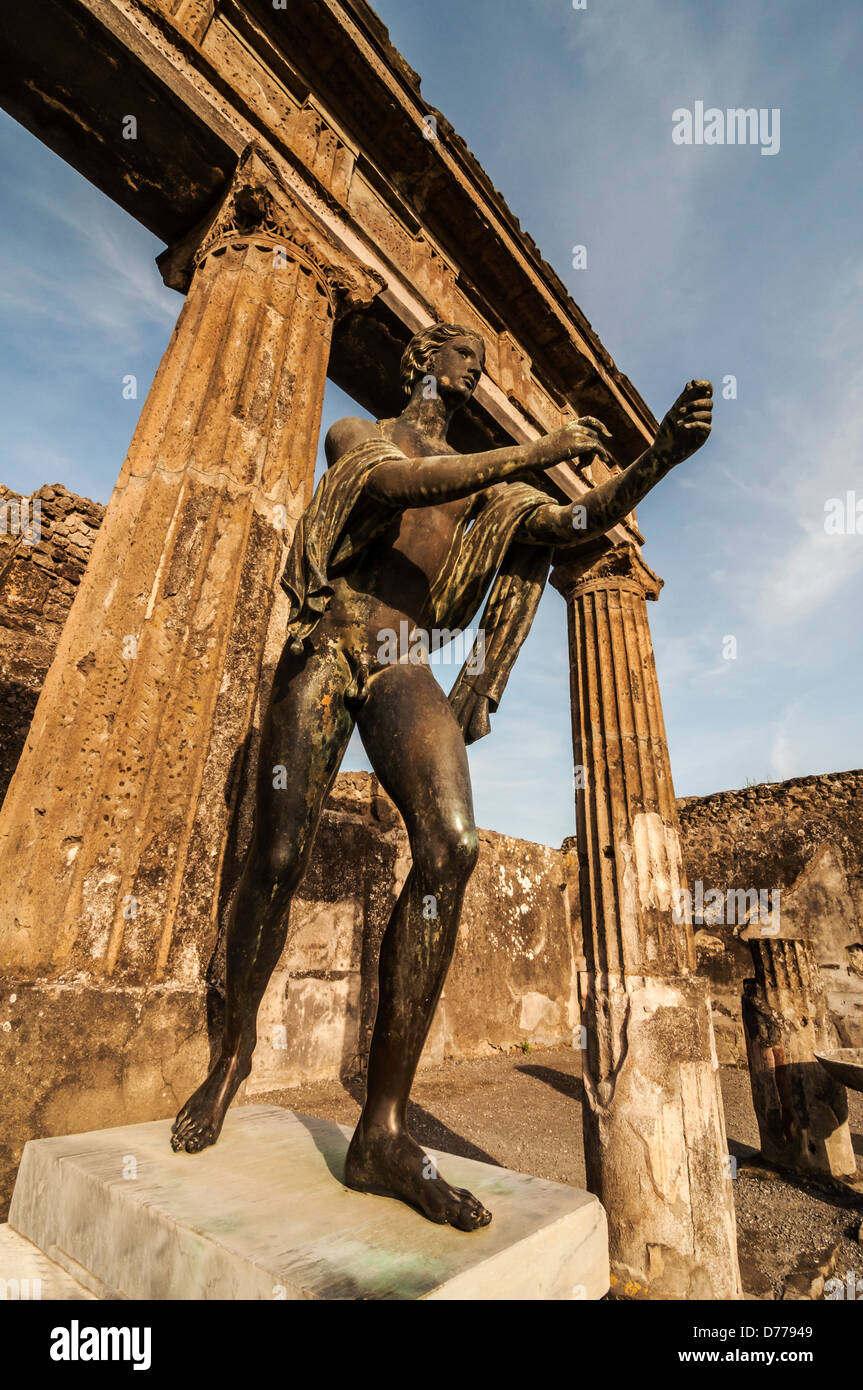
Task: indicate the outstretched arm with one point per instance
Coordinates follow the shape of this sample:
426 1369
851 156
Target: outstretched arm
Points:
422 482
684 429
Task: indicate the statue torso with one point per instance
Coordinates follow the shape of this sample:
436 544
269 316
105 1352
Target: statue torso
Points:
391 580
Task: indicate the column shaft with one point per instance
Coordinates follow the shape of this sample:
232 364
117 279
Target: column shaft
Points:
112 829
654 1129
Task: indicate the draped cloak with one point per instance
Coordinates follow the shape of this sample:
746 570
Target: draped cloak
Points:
340 522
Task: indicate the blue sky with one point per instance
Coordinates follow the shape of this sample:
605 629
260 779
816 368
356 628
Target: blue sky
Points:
701 261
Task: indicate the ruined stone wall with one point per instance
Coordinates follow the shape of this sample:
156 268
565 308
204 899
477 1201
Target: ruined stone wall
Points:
45 542
804 839
513 980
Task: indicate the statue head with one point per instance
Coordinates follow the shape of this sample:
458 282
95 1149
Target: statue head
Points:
450 355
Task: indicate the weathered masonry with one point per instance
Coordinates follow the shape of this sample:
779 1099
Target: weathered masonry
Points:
316 212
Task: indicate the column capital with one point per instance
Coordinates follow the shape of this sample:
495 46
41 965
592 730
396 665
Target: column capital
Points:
605 567
258 204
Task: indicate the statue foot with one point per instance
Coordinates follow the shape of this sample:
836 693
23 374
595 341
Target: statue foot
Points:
200 1121
391 1164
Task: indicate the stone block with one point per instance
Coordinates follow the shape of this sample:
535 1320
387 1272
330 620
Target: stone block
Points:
265 1215
27 1275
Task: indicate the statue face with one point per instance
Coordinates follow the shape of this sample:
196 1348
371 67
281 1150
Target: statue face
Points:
457 367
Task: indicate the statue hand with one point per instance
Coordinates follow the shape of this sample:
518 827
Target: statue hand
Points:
687 424
578 437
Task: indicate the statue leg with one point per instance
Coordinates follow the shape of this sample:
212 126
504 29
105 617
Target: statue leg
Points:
304 736
417 751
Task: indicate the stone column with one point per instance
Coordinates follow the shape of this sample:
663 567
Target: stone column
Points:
115 823
802 1112
654 1129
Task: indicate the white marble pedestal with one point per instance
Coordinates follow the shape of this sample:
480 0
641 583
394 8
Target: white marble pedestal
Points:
264 1214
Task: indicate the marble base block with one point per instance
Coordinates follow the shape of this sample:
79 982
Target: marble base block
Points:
29 1276
264 1214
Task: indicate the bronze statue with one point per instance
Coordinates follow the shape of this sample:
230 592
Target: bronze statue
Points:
403 529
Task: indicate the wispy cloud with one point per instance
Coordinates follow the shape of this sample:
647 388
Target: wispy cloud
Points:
114 292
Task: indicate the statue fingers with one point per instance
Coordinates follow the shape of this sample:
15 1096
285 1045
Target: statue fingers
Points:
593 449
589 422
692 388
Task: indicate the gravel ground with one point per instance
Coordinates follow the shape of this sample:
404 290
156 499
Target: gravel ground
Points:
523 1111
788 1231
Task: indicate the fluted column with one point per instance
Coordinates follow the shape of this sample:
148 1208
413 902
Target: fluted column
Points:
654 1129
802 1112
114 826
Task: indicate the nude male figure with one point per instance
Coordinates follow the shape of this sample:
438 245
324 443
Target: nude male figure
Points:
425 494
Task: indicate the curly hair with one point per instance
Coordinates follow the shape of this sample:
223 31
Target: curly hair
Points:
422 347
